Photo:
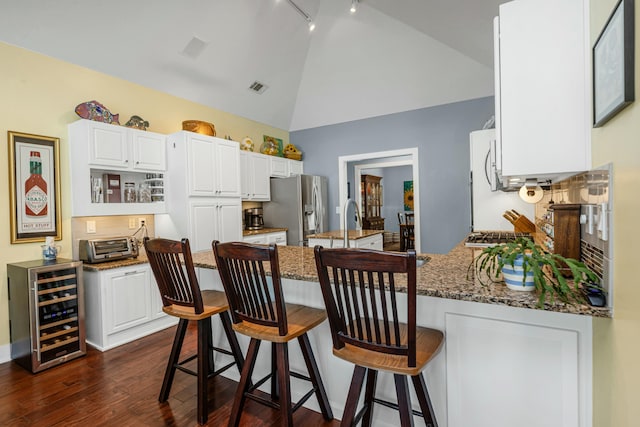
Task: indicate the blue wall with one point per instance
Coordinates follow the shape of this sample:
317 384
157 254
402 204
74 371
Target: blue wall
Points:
442 136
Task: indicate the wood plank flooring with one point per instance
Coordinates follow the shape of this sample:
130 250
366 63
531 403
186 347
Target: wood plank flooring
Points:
120 388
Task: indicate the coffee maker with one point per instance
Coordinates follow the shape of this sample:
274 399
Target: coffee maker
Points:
253 219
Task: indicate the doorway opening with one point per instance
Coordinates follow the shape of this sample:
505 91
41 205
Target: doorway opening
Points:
381 159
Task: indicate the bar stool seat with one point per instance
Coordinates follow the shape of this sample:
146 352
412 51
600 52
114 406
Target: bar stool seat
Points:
258 311
300 320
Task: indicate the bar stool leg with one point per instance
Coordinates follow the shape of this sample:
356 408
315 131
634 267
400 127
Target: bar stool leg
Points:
404 400
275 392
352 398
244 383
314 374
204 340
369 394
173 360
282 360
425 402
232 339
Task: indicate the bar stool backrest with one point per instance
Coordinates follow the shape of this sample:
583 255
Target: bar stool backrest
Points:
360 312
175 275
252 297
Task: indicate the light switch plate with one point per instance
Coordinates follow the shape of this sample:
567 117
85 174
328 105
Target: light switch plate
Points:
338 210
91 227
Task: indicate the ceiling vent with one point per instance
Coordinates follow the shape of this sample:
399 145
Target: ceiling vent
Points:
194 48
258 87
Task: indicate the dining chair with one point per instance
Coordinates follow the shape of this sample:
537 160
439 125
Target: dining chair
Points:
360 288
259 311
175 275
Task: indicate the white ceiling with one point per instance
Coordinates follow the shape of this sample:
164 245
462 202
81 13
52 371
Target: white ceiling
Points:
390 56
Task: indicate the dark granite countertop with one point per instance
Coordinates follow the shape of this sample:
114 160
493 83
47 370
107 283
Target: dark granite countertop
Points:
443 276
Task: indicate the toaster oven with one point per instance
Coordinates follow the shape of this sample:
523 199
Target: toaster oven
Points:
108 249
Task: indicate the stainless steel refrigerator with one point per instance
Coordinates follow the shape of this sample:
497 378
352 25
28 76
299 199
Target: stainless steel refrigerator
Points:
298 203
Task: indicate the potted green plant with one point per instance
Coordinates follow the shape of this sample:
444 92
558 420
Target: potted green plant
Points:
548 274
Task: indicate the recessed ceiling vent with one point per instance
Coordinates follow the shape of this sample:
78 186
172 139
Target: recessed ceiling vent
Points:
258 87
194 48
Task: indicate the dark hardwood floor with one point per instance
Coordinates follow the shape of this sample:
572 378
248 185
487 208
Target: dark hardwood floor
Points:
120 388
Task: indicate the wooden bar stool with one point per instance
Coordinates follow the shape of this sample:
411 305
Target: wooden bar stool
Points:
181 297
258 310
367 330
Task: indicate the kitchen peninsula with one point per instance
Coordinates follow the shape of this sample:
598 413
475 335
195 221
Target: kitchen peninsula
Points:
367 239
503 356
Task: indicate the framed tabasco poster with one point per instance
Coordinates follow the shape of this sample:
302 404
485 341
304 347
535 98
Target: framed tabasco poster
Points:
34 187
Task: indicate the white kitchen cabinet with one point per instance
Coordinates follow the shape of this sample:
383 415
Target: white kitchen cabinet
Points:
199 202
283 168
123 304
212 164
254 176
499 369
260 239
98 148
295 167
370 242
543 112
279 167
218 219
277 237
116 147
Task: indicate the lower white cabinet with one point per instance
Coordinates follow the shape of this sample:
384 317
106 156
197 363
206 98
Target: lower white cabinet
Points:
278 237
369 242
122 305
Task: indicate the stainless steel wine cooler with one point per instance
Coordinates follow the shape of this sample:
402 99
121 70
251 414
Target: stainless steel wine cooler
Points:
46 312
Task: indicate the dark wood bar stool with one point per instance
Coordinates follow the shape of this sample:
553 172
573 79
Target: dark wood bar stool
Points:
181 297
367 330
258 310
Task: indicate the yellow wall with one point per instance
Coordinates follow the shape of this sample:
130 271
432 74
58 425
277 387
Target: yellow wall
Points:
616 343
38 95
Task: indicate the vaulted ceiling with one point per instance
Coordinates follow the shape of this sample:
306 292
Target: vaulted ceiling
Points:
389 56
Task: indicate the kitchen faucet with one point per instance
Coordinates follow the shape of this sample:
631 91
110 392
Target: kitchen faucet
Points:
346 222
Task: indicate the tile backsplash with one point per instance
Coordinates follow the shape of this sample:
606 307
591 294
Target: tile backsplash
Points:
592 190
109 226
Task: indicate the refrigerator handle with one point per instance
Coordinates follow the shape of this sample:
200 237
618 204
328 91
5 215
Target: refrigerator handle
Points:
315 202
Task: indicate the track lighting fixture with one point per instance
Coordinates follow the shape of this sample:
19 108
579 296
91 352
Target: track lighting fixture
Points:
354 6
305 15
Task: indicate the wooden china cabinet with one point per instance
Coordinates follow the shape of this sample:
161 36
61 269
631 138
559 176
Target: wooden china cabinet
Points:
371 192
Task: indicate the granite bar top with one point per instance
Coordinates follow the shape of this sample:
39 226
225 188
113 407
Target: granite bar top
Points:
262 231
339 234
443 276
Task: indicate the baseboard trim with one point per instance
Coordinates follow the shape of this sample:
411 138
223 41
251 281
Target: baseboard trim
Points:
5 353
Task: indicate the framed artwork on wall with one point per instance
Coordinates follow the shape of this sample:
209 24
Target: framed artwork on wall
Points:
408 195
34 187
613 64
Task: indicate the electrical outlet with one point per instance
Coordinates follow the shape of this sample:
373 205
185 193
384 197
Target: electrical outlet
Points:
132 223
141 221
91 227
338 210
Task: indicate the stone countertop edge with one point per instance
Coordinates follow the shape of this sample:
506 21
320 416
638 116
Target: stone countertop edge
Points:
262 231
444 276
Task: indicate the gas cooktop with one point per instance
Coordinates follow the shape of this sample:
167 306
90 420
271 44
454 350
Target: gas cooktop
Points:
483 239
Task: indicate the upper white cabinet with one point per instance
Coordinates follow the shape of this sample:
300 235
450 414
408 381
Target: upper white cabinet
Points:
96 149
121 148
542 87
282 167
212 164
254 176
